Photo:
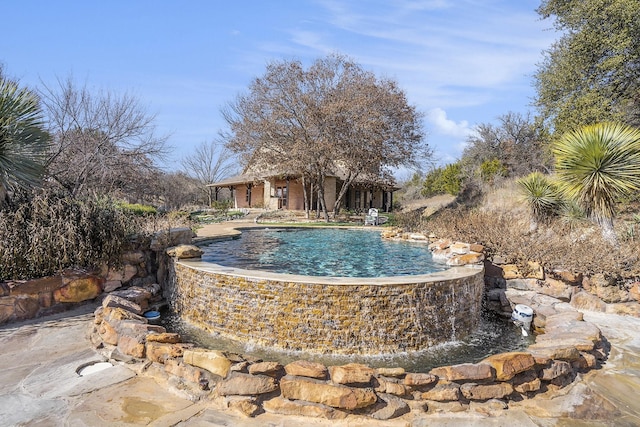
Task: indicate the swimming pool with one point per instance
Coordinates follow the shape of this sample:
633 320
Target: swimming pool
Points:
323 252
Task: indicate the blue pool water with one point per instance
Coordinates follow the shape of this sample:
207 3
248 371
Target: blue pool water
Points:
323 252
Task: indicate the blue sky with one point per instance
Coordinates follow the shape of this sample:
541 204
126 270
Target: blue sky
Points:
461 62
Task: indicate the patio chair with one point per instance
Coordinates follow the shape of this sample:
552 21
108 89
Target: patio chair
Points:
372 217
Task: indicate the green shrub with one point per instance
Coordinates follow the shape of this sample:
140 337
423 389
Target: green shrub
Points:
138 209
490 169
443 180
542 195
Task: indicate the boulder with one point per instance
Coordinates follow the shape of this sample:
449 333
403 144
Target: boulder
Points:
393 408
136 294
211 360
508 365
474 391
272 369
552 350
534 271
390 387
118 313
246 385
586 301
78 290
459 248
475 247
510 271
25 307
526 382
634 291
166 337
131 346
466 259
556 288
557 369
159 352
465 372
282 406
304 368
7 310
442 392
116 301
419 379
246 405
108 333
606 289
352 373
35 286
390 372
187 372
570 277
185 252
334 395
624 308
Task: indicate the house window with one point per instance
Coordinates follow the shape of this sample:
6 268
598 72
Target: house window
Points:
248 196
357 204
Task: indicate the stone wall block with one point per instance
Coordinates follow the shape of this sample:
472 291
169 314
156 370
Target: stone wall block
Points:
419 379
557 369
165 337
7 309
334 395
79 289
272 369
35 286
160 352
393 407
442 392
132 346
26 307
352 373
526 382
116 301
211 360
395 372
465 372
248 406
585 301
246 385
508 365
185 252
108 333
282 406
474 391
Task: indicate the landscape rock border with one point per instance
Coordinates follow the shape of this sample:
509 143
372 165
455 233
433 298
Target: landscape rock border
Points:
565 347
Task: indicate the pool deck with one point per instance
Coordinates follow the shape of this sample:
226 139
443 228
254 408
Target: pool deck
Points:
40 386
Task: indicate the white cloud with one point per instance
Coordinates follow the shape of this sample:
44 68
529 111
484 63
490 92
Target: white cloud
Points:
445 126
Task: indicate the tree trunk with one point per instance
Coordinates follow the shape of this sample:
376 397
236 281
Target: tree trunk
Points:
305 195
343 190
321 199
608 232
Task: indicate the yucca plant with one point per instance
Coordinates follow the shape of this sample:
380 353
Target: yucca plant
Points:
23 141
596 165
542 196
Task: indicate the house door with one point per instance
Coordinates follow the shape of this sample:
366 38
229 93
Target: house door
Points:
281 193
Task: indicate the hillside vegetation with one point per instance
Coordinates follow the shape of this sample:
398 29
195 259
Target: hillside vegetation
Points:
499 219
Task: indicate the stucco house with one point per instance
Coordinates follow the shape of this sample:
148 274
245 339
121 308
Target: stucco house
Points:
284 191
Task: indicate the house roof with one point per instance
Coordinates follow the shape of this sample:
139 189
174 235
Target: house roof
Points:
235 180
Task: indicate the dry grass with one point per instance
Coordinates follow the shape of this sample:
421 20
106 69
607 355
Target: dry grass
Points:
501 223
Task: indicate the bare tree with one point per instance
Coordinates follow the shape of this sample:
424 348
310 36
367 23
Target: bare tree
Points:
102 142
518 142
210 162
333 116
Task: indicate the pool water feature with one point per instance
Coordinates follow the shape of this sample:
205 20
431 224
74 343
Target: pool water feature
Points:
492 335
323 252
336 315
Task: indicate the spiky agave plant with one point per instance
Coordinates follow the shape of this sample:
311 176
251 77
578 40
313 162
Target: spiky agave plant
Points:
23 141
542 196
596 165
